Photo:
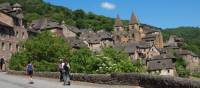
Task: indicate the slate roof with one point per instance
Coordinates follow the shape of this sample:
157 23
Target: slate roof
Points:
86 30
133 19
160 64
75 42
118 22
148 30
163 50
5 6
104 35
150 37
73 29
186 52
131 47
143 45
119 46
93 39
162 57
42 24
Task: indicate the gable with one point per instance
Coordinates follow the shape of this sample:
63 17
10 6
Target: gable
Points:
154 49
6 20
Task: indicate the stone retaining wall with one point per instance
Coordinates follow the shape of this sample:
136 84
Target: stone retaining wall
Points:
143 80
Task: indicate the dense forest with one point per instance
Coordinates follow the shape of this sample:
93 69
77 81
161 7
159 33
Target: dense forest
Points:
35 9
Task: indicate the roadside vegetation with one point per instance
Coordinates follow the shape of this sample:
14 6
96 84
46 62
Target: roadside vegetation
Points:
45 50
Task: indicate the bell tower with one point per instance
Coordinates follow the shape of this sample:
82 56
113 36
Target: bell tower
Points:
133 23
118 25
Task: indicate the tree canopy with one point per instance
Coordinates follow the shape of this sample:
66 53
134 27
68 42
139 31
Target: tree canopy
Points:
44 51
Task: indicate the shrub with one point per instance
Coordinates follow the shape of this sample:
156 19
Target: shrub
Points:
109 60
196 74
181 67
44 51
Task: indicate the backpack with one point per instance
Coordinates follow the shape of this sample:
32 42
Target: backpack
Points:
2 61
30 67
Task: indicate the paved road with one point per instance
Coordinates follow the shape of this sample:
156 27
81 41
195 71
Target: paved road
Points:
11 81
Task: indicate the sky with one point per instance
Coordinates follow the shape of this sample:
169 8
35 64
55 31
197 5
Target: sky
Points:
160 13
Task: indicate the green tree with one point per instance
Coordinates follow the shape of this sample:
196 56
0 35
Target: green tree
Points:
44 51
181 67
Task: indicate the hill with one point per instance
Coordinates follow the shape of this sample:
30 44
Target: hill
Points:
190 34
34 9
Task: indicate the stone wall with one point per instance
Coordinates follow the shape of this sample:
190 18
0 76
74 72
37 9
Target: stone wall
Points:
143 80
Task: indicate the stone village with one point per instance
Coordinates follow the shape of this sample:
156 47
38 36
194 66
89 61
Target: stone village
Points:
139 41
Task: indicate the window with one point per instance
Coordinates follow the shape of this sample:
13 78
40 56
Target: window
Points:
10 46
3 46
133 36
23 35
17 34
168 71
17 47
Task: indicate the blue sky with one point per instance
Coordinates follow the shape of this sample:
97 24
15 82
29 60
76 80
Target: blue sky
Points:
160 13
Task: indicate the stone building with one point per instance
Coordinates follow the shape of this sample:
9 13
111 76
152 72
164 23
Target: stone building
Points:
161 65
92 40
174 42
12 30
106 39
45 24
192 60
75 43
69 33
136 32
152 51
131 49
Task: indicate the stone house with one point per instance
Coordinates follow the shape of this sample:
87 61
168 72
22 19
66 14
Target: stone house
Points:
120 37
75 43
94 43
174 42
163 64
92 40
192 60
153 51
131 49
106 39
12 30
45 24
70 31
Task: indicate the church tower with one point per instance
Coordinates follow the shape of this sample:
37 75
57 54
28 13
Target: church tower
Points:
133 23
134 28
118 25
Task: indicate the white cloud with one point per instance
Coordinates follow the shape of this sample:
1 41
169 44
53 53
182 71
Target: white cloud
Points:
108 6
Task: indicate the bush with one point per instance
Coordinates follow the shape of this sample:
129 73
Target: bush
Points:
109 60
44 51
196 74
181 67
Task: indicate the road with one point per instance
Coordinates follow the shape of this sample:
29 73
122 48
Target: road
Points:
12 81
